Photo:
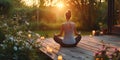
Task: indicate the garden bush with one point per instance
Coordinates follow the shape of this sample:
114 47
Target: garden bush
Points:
6 6
20 42
2 37
107 53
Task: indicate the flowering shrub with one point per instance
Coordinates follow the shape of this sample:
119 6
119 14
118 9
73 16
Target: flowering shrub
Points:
17 44
107 53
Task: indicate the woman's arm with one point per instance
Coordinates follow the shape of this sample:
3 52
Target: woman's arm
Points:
75 31
61 31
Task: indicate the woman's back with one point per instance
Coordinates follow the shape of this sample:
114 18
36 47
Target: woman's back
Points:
68 28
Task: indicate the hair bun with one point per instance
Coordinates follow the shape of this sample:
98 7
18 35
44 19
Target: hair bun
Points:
68 13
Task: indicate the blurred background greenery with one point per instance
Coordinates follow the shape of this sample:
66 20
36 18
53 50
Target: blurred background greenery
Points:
49 14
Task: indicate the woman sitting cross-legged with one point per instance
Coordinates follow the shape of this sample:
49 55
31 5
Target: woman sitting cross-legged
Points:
68 28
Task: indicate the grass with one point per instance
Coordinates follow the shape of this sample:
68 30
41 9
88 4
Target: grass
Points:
47 33
50 33
85 33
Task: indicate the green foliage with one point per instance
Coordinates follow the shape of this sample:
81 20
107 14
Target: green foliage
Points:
47 33
5 6
94 12
18 45
2 37
17 4
86 16
89 13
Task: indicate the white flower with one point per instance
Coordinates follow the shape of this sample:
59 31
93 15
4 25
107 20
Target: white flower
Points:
27 45
27 23
19 33
1 45
11 38
37 35
5 24
15 48
30 31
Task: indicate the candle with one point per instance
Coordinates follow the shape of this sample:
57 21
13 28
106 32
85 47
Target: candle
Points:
48 47
93 32
42 37
107 53
101 33
29 35
97 59
90 35
60 57
49 50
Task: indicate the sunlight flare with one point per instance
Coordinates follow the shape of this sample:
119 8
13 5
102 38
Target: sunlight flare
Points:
60 5
31 3
54 3
101 0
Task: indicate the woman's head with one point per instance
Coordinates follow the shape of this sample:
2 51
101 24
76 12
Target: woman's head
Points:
68 14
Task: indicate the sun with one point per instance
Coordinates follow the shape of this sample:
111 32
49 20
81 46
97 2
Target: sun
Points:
60 5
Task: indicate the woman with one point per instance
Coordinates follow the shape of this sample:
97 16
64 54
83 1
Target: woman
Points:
68 28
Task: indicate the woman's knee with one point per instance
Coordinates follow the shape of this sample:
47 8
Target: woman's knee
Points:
78 37
57 39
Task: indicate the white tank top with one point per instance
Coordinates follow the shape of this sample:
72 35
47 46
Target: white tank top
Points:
68 28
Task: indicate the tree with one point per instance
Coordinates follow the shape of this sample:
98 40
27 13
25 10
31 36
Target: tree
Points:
17 3
88 11
85 11
5 7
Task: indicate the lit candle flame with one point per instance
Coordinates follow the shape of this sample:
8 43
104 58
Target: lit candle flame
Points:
101 33
60 57
49 50
90 35
97 59
60 5
42 37
93 32
29 35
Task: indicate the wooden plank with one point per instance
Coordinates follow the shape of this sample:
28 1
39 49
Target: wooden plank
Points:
84 50
96 41
68 53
